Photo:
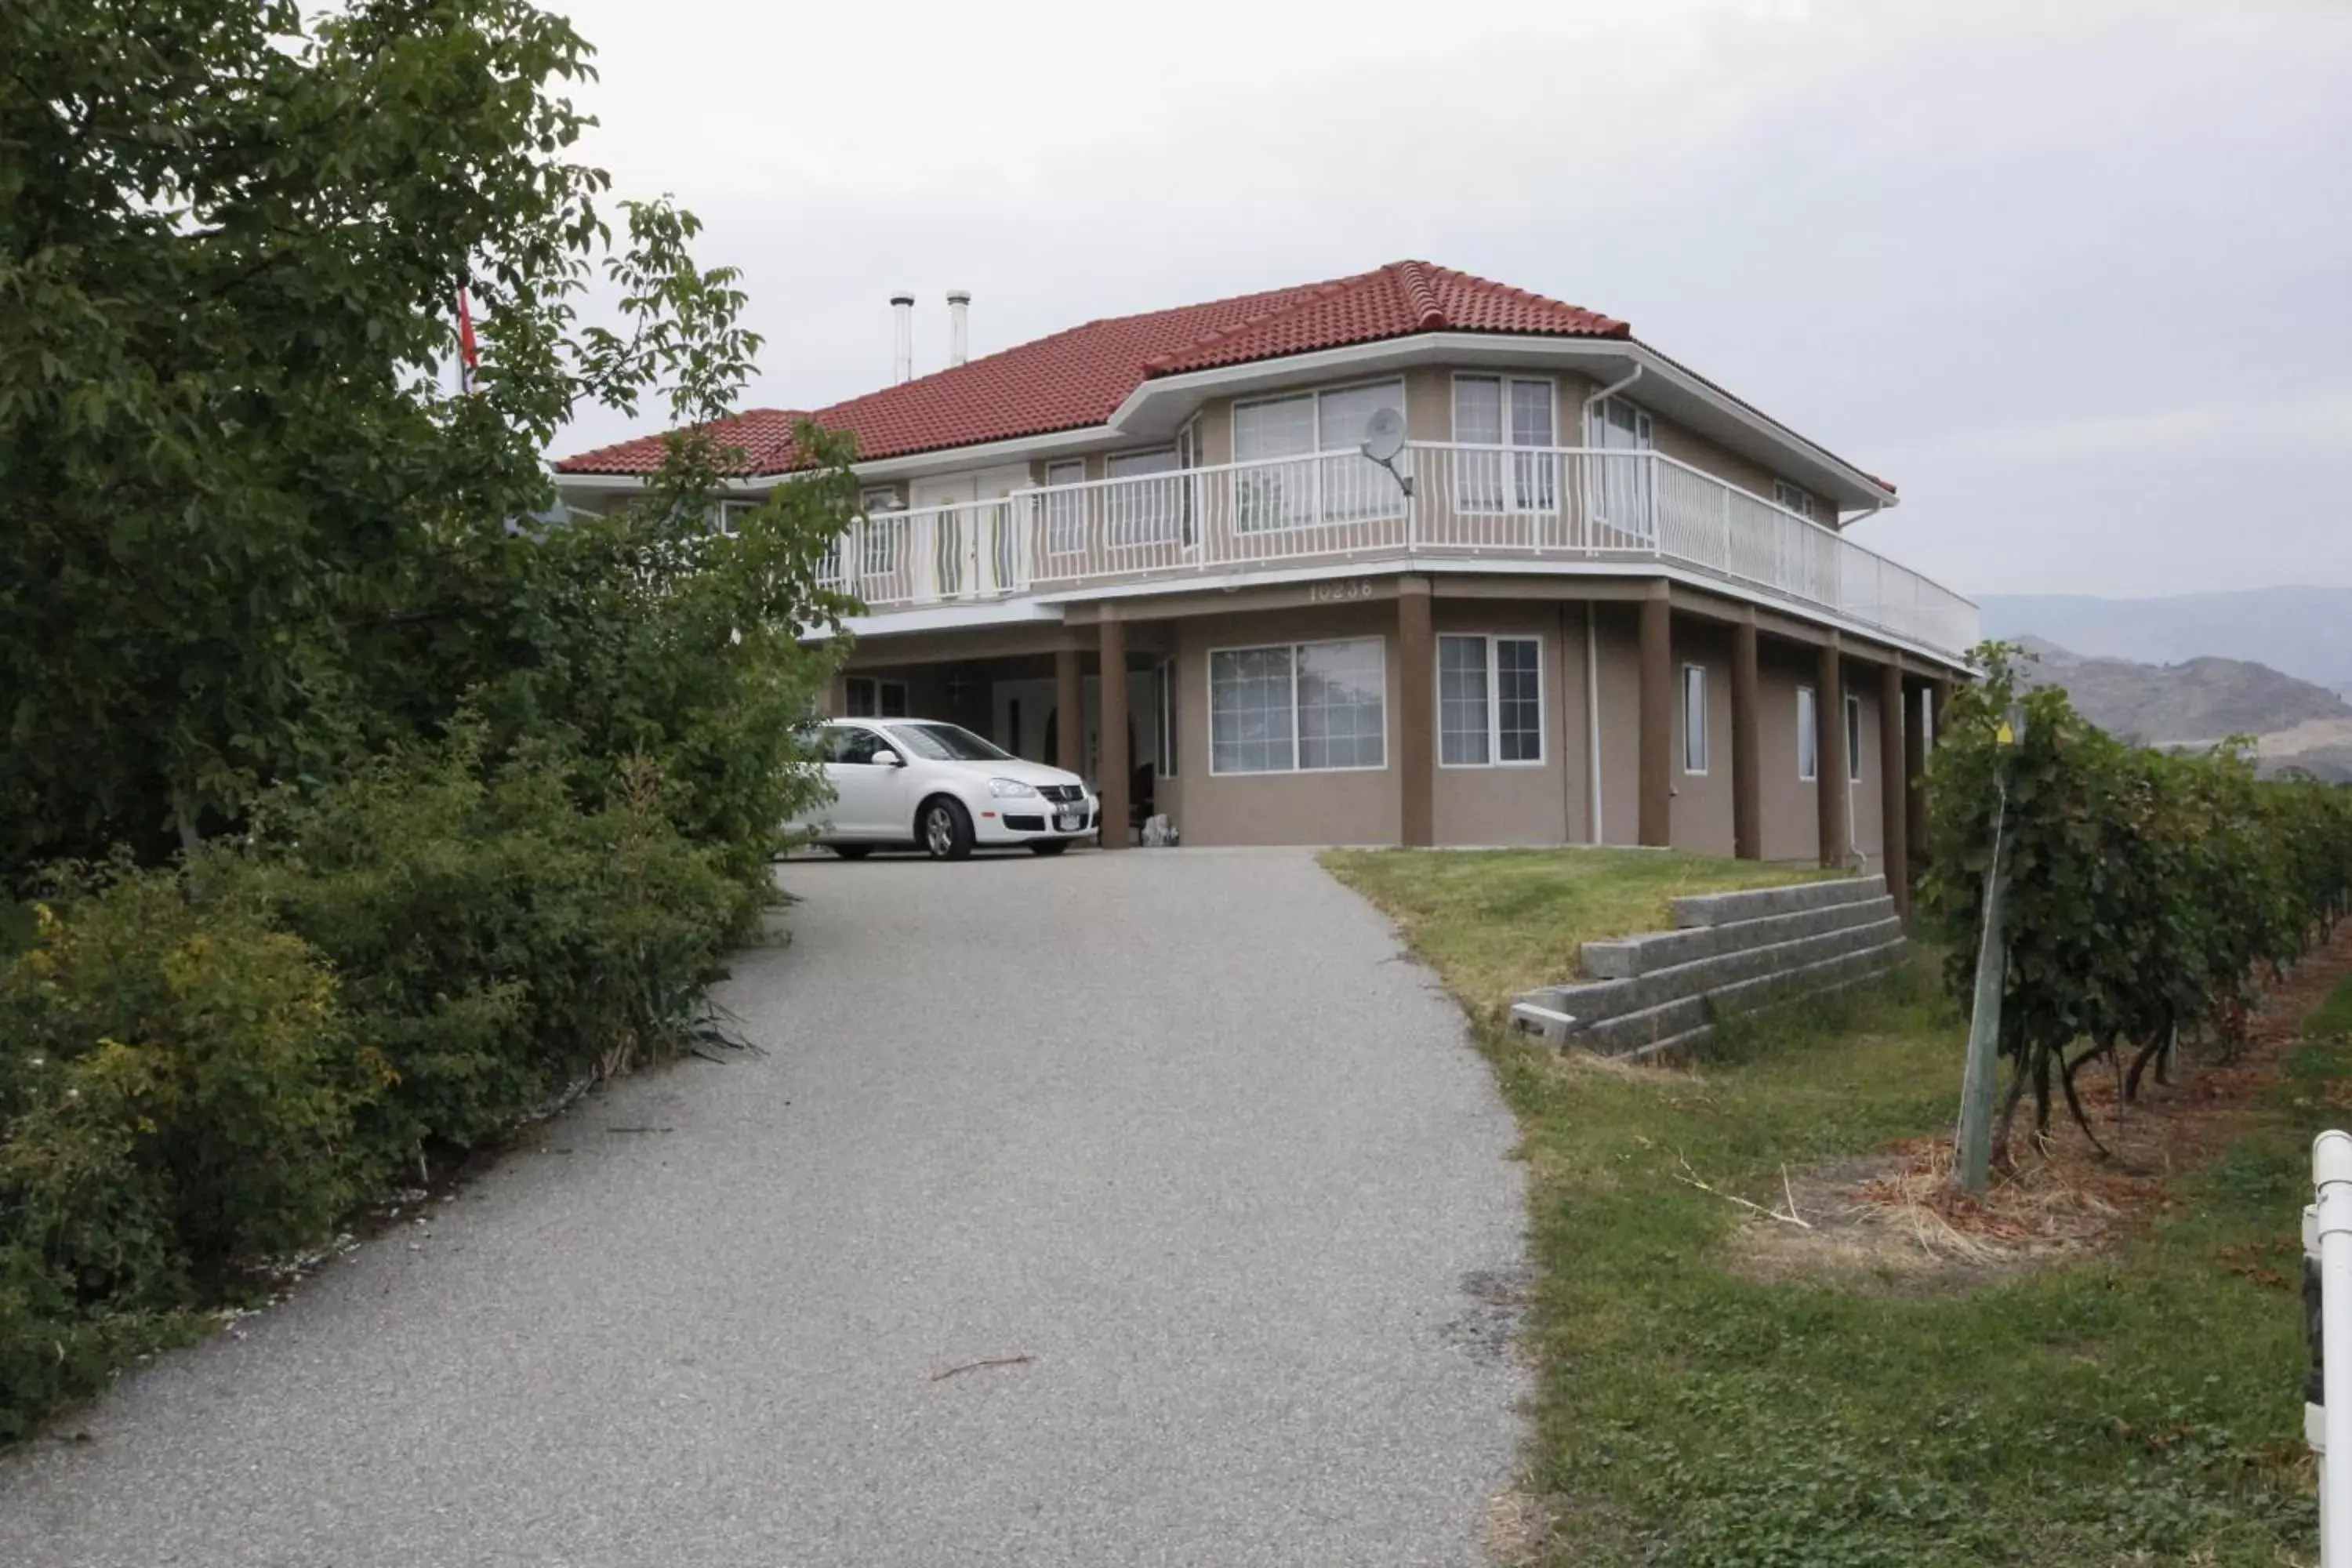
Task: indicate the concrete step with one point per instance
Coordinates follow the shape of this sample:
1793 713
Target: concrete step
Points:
1626 957
1755 903
1798 993
1650 1030
1602 999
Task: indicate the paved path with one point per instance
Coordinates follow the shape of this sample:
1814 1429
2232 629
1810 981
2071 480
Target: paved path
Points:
1177 1127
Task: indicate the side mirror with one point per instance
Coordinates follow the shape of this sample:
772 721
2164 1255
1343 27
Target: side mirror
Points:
887 758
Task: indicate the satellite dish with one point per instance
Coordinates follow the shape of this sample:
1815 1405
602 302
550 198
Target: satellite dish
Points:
1383 441
1384 436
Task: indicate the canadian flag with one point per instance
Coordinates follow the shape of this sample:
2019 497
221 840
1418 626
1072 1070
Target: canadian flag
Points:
470 358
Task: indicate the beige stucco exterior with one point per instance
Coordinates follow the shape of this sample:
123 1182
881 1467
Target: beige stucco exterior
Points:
1429 417
1544 801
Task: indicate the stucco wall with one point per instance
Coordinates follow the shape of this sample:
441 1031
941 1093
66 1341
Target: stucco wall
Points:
1520 803
1619 637
1702 802
1355 806
1790 805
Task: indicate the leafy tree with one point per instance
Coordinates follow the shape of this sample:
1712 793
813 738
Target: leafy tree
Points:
245 535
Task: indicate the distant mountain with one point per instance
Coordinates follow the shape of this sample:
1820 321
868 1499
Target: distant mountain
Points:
2304 632
2200 701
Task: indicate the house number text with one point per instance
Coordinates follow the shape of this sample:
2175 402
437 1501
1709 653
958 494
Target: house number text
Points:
1325 593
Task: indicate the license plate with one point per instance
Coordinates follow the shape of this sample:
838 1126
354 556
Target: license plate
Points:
1068 821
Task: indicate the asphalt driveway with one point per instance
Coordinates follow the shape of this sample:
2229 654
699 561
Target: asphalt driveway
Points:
1176 1139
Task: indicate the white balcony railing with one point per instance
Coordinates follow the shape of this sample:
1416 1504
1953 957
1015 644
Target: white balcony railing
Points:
1563 504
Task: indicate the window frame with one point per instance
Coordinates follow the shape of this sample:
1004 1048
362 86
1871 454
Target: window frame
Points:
1853 737
1491 650
1066 509
1520 478
1705 731
1139 518
1795 498
1209 672
1317 512
879 687
1808 735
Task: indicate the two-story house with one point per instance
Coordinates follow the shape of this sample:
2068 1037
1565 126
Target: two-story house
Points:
1592 597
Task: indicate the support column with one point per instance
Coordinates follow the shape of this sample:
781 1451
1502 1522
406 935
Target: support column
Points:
1115 763
1416 715
1070 712
1746 746
1914 777
1829 750
1657 733
1893 796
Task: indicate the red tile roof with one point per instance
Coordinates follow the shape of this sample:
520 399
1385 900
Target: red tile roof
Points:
1078 378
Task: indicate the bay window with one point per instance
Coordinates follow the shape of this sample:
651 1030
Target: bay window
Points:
1066 506
1301 459
883 530
1622 437
1489 701
1298 708
1493 411
1143 511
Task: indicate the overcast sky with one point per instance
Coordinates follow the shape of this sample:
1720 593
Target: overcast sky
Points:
2077 276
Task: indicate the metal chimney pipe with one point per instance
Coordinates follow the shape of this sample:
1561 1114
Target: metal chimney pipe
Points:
902 362
959 326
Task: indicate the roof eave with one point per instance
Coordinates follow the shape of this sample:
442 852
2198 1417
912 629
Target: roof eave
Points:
1841 482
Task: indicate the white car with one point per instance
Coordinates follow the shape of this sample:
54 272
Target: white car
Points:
941 788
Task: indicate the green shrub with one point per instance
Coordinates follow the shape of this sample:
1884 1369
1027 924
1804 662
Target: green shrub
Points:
497 942
2147 890
178 1093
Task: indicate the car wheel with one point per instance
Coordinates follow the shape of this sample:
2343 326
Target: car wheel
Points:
944 828
852 851
1049 847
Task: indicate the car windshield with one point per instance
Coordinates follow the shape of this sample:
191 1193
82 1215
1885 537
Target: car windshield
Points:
948 743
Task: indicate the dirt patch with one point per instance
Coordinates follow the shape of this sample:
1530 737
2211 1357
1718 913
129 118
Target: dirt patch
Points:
1517 1525
1892 1220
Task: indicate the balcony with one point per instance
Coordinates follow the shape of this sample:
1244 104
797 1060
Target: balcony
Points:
1569 506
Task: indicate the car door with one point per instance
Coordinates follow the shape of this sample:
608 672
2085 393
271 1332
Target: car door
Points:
862 787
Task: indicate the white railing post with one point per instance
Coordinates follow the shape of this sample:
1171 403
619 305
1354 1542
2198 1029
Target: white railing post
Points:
2331 1174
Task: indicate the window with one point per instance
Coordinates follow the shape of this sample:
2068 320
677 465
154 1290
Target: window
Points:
948 743
871 698
1065 509
1166 683
1809 740
883 533
1622 498
1142 511
1489 701
1495 411
1695 719
730 514
1853 739
1794 498
1300 707
853 745
1302 462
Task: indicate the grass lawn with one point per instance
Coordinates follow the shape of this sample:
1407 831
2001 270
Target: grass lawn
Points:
2136 1403
1495 922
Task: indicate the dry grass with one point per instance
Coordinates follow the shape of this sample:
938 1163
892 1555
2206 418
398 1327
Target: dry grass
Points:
1894 1219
